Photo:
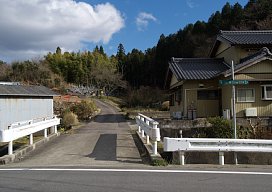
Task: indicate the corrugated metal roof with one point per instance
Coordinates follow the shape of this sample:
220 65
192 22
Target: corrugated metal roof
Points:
22 90
197 68
247 37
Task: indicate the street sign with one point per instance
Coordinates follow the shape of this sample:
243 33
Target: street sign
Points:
233 82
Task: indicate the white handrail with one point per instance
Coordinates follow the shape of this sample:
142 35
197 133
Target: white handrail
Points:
21 129
149 128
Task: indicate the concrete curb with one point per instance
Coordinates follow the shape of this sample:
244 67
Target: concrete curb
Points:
20 152
148 149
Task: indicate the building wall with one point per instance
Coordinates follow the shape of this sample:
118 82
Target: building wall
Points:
190 101
22 109
207 108
264 107
231 53
262 67
173 80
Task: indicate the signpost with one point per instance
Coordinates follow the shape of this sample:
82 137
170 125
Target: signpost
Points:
233 82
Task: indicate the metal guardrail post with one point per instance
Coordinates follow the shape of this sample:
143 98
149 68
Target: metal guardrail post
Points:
182 157
181 153
221 158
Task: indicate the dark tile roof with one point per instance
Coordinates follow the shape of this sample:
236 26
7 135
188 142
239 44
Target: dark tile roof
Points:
197 68
22 90
262 54
246 37
249 39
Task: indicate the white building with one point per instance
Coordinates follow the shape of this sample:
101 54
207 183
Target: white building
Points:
25 110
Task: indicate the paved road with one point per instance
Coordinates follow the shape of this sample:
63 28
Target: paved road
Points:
116 181
106 141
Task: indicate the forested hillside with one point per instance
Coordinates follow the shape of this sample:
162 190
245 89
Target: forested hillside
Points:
138 68
194 40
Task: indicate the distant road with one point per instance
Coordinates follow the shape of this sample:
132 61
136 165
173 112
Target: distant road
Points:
65 180
105 142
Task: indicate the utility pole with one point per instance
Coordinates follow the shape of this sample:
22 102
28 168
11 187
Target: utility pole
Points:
234 110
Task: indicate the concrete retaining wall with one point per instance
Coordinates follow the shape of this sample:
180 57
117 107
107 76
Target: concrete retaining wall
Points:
212 158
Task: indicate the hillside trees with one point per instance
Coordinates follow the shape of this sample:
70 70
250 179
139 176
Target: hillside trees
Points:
5 70
139 68
194 40
33 72
87 68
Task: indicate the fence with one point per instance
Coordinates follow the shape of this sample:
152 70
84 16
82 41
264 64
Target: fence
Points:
216 145
24 128
148 128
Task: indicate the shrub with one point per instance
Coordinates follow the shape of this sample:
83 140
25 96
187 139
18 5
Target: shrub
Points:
84 109
221 128
69 119
245 132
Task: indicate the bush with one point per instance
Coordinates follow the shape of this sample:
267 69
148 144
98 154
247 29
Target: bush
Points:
69 119
221 128
84 109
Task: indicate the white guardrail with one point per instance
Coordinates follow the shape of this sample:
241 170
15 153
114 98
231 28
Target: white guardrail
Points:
216 145
148 128
24 128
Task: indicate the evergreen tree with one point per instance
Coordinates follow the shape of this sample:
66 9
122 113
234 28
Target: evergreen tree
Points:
121 58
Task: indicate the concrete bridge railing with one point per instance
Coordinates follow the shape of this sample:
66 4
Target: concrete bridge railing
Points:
148 128
20 129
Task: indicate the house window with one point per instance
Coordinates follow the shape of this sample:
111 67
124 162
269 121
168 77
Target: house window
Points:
207 95
267 92
245 95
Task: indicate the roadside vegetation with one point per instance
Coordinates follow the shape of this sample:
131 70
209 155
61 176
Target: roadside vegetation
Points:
222 128
75 112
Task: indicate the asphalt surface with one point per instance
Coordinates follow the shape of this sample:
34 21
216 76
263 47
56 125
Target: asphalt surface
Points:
105 142
115 181
102 156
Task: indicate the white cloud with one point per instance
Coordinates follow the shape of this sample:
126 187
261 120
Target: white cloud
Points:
191 4
143 20
32 28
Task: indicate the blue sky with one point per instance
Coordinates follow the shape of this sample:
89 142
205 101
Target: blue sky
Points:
30 29
171 15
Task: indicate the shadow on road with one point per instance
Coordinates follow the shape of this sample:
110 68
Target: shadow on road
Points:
109 118
105 148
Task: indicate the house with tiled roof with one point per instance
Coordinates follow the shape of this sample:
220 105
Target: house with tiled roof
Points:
194 83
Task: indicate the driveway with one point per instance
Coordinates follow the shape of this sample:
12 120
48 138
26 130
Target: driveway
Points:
104 142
